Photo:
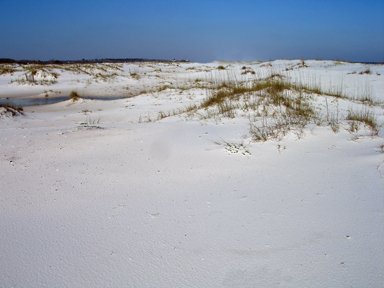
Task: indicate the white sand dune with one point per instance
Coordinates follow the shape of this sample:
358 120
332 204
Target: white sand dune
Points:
93 194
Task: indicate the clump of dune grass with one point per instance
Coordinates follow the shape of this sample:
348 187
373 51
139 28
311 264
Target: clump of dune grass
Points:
134 75
366 71
164 87
13 110
105 76
365 116
74 96
233 148
274 106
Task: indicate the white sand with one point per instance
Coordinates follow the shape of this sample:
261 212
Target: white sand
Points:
106 199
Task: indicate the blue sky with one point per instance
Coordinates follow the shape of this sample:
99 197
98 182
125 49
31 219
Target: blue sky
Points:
200 31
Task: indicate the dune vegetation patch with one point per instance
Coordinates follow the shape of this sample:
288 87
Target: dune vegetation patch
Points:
6 109
274 105
74 96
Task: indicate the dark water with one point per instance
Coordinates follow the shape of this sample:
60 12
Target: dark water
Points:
23 102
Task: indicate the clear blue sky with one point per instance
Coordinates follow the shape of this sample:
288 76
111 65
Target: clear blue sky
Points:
197 30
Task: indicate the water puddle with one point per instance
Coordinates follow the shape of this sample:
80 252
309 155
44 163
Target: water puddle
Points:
24 102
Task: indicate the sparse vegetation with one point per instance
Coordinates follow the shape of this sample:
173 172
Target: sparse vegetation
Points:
134 75
9 109
7 69
365 116
91 123
74 96
164 87
233 148
366 71
274 105
381 147
273 102
36 74
302 64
